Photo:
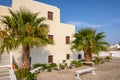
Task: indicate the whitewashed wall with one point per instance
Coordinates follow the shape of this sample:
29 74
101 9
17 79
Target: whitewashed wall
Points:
114 53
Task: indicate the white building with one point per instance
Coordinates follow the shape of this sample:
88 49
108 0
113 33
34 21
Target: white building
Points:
62 34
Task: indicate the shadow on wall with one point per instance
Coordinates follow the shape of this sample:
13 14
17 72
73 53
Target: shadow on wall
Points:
77 55
17 54
39 55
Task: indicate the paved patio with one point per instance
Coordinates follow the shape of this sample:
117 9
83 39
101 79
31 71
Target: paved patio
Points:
107 71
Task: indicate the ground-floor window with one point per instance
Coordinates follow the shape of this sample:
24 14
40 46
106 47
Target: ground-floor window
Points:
50 58
79 56
67 56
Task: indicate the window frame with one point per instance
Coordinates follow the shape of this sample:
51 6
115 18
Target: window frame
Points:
50 58
67 56
51 37
67 39
50 15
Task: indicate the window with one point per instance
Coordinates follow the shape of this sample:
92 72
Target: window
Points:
50 37
67 56
50 15
50 58
79 56
67 39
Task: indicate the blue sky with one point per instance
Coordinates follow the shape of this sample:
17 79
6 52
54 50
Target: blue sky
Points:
103 15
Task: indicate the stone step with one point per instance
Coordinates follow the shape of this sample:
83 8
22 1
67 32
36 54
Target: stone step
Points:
4 62
4 59
4 73
5 78
5 67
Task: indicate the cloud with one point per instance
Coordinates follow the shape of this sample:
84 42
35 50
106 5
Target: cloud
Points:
85 24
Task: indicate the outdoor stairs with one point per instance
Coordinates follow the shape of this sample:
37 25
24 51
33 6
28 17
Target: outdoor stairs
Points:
5 66
4 73
4 59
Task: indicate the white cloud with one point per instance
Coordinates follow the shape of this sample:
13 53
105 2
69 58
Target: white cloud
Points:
85 24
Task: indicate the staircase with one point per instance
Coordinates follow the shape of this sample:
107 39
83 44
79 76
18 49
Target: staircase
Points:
4 59
5 73
6 70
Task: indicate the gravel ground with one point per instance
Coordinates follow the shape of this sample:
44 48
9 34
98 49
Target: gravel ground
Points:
106 71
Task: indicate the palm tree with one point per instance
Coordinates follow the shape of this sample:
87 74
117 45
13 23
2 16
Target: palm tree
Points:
90 42
24 28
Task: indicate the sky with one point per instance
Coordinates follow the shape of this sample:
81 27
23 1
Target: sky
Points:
103 15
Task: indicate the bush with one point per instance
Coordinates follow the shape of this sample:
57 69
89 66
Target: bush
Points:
39 65
48 67
76 63
98 60
73 62
62 66
79 63
53 65
45 66
24 73
107 58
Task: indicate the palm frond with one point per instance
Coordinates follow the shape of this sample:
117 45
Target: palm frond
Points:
89 38
24 27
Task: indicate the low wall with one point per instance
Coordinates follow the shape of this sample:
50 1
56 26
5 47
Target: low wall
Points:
114 53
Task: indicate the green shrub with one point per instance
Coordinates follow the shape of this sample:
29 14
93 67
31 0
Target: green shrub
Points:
107 58
53 65
24 73
39 65
79 63
98 60
31 76
76 63
48 67
62 66
73 62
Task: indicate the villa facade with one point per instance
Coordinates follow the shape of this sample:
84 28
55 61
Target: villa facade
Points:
60 33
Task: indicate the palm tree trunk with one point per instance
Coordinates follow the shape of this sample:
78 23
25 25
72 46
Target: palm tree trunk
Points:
88 55
26 57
